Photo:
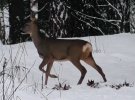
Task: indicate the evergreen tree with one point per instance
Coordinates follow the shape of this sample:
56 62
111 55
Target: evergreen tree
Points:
74 18
16 20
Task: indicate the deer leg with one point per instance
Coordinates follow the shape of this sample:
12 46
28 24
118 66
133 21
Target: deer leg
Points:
49 66
92 62
81 69
41 66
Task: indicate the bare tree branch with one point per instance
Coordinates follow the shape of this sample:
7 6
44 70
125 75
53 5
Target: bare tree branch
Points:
96 28
115 9
87 17
105 20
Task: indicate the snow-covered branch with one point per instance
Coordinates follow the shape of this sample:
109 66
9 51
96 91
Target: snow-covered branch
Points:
92 17
115 9
105 20
87 23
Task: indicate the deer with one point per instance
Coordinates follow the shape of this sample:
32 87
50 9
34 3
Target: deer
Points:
50 50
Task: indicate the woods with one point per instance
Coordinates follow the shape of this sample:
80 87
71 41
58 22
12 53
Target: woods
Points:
69 18
99 29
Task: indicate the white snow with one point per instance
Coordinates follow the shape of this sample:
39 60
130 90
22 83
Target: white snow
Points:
114 53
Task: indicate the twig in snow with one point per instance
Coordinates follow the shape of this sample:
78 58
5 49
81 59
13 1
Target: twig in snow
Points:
21 81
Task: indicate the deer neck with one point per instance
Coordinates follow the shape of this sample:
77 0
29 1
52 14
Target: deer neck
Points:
35 34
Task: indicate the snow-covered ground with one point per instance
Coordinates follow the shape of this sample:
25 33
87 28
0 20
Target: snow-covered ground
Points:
114 53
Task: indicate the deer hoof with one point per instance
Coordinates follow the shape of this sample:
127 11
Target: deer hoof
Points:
105 80
53 76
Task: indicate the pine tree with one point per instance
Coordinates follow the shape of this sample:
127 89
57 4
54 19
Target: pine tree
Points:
16 20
